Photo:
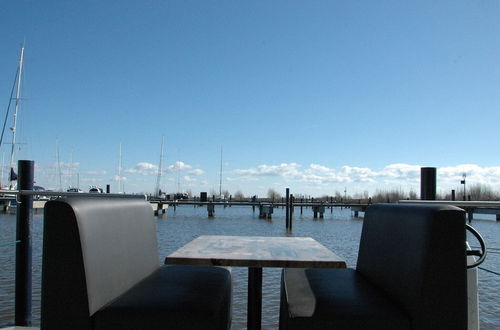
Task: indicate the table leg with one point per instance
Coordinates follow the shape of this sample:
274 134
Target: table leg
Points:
254 307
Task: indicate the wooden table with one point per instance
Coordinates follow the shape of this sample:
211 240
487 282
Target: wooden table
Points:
255 253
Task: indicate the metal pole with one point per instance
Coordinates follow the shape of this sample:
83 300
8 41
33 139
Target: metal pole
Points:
23 249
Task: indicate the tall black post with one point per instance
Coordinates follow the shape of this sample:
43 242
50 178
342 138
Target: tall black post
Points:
428 183
24 219
290 207
287 208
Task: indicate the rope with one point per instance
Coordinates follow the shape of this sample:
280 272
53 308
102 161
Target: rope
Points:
11 243
489 248
489 271
8 107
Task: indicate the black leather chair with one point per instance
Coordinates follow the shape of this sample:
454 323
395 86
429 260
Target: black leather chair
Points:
410 274
101 270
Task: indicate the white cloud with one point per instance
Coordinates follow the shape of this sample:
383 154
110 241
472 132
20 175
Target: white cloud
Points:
241 179
391 175
143 168
187 178
401 171
283 170
67 165
196 172
178 166
117 178
96 172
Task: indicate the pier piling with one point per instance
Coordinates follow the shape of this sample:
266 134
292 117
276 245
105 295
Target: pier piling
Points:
24 217
428 183
210 209
287 211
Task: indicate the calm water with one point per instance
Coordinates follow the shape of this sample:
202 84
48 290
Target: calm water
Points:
338 231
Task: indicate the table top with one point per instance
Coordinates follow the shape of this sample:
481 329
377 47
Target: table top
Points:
254 251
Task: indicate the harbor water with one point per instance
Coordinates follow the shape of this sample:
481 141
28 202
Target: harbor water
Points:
339 231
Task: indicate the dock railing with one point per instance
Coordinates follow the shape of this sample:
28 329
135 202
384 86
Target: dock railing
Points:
471 207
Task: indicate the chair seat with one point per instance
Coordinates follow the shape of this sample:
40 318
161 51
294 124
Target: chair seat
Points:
173 297
343 299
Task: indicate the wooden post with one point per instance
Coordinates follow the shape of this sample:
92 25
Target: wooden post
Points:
291 211
453 194
287 211
210 209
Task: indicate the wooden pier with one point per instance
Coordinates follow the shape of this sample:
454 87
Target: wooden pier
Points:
471 207
266 208
9 204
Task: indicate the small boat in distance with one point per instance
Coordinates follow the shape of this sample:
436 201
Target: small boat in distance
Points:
96 190
77 190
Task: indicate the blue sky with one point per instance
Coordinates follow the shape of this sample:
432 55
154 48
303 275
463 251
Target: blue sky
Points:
318 96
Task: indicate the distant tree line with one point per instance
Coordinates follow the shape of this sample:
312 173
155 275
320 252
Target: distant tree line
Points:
475 192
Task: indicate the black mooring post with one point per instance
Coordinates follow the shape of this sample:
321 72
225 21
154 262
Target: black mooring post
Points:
23 249
428 183
287 202
291 211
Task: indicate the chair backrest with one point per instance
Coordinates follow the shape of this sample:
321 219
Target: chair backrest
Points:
94 249
416 255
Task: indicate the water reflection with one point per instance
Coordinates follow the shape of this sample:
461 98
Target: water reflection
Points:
339 231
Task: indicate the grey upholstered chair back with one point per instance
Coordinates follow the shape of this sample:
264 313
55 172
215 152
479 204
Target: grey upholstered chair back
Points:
416 254
95 248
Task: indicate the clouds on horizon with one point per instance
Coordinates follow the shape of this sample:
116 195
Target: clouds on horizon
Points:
146 168
394 174
314 178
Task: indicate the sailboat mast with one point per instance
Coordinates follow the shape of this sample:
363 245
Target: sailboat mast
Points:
220 176
13 128
158 178
58 165
120 169
1 176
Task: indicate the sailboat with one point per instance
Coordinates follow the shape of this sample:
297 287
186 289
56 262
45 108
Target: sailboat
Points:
157 191
17 100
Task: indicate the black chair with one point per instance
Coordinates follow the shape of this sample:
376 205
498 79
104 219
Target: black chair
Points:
410 274
101 270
